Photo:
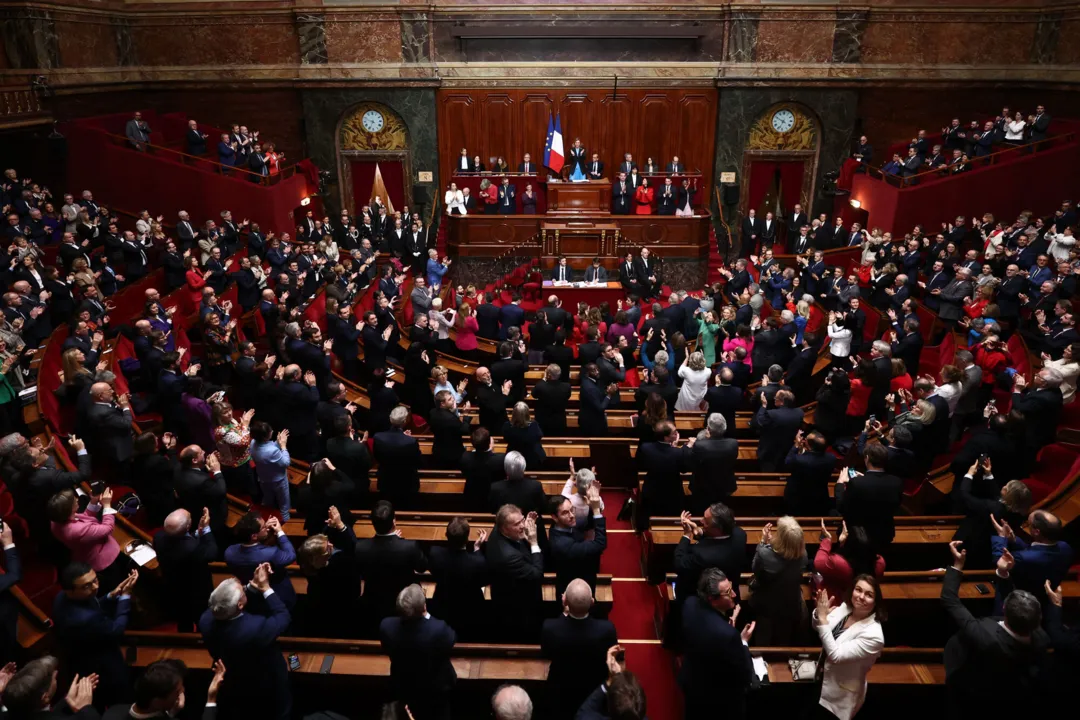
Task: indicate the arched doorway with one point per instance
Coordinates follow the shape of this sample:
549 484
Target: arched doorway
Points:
780 163
372 135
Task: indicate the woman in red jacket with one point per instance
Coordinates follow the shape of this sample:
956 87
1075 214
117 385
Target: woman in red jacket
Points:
853 555
860 394
467 326
643 198
196 281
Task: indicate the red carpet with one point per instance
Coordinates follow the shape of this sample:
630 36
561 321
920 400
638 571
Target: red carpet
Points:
632 613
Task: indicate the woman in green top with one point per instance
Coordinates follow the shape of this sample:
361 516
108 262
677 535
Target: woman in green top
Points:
707 331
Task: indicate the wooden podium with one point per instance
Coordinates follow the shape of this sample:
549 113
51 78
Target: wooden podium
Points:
579 239
579 198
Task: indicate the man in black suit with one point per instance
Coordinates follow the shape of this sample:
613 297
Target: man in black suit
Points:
507 197
348 454
527 166
864 151
751 232
881 357
110 418
1012 648
806 493
492 400
724 397
460 573
299 398
30 693
481 468
577 646
511 315
658 381
421 674
552 397
448 428
199 484
663 461
838 235
487 317
35 478
398 457
91 629
646 272
516 570
1041 405
387 562
801 368
906 344
622 192
1040 125
196 141
871 499
595 168
777 429
185 557
595 401
526 494
666 197
713 459
243 636
720 544
716 657
573 555
509 368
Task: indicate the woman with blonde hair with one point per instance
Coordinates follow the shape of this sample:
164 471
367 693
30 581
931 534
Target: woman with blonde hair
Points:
76 376
695 375
776 587
84 277
442 382
523 434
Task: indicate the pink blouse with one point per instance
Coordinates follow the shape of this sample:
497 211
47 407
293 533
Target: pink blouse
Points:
737 342
90 540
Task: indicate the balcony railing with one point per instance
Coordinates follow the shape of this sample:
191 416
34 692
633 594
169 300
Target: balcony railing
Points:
974 163
21 106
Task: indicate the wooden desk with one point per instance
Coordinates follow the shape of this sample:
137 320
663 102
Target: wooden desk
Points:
576 198
580 238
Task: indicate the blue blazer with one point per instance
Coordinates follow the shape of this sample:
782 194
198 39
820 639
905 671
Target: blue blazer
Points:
435 272
510 316
242 561
91 630
1035 563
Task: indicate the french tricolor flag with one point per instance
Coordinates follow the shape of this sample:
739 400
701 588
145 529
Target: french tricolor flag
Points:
553 146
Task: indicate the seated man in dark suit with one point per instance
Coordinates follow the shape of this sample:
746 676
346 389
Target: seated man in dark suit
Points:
184 558
713 459
242 633
460 573
988 648
573 554
562 273
421 674
91 629
516 570
577 646
776 429
387 562
871 499
398 458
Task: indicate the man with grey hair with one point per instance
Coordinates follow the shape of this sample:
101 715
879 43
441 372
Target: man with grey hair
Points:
880 381
577 646
1041 405
516 569
527 494
398 456
511 702
968 408
713 461
185 558
245 641
951 297
421 674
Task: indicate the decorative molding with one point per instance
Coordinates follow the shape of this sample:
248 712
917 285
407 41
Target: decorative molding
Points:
802 136
311 32
393 137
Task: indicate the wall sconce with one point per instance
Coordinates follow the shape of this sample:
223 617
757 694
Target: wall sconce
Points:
307 201
855 204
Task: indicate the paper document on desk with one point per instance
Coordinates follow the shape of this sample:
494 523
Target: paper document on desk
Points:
142 554
761 668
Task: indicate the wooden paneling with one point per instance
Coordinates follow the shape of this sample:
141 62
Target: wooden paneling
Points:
646 122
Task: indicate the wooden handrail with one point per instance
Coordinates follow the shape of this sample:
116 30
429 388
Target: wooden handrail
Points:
974 163
187 159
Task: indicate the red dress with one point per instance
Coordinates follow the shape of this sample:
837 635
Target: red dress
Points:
195 282
643 198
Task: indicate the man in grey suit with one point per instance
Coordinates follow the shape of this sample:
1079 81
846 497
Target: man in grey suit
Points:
987 648
596 273
138 132
420 297
968 410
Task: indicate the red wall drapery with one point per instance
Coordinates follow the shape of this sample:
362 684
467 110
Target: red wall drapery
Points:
762 173
363 177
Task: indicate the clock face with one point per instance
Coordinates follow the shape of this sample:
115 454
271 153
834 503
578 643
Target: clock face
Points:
372 121
783 120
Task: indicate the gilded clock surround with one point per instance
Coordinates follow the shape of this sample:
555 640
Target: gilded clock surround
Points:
801 142
354 142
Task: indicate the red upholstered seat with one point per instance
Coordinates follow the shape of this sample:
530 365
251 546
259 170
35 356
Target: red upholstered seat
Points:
1054 464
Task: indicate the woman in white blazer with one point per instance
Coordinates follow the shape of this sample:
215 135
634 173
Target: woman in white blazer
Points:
851 642
840 340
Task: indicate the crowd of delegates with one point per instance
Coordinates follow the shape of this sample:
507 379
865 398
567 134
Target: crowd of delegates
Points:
237 416
959 144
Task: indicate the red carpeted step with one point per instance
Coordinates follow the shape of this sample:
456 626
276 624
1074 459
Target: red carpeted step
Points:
654 669
613 502
633 600
622 558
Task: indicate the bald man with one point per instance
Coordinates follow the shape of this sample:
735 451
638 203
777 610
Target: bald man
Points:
142 339
492 401
299 400
577 646
109 420
511 702
184 555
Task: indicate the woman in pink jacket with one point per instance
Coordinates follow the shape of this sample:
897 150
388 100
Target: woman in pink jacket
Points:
744 338
89 539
